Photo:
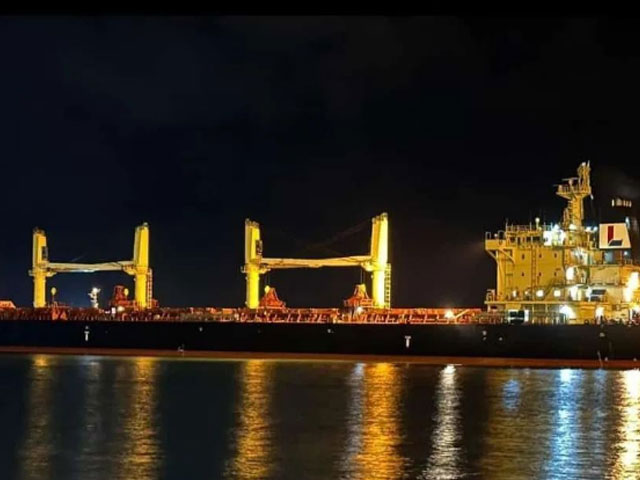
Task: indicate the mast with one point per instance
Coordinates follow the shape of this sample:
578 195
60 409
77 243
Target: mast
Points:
575 190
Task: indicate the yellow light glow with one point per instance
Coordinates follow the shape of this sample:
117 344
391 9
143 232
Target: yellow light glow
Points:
41 361
557 293
632 286
449 314
540 293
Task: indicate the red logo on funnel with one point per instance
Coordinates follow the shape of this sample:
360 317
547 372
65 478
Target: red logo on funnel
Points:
610 240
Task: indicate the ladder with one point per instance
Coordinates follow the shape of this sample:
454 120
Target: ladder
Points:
387 286
149 289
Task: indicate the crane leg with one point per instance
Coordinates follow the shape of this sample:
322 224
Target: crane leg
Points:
252 256
141 290
253 287
379 258
377 290
39 289
141 265
39 261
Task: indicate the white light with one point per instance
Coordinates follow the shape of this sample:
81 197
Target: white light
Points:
449 368
514 293
572 227
540 293
599 312
557 293
570 274
358 310
573 292
568 311
120 308
565 375
95 290
448 314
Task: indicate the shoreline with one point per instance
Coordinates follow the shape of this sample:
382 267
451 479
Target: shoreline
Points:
509 362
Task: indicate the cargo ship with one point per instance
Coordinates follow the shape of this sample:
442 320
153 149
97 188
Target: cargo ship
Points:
565 292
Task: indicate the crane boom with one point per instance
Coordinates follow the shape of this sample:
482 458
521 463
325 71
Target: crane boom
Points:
267 264
89 267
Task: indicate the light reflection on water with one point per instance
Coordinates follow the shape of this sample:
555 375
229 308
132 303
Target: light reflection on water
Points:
38 442
252 450
92 419
564 428
140 457
626 466
374 430
114 418
443 461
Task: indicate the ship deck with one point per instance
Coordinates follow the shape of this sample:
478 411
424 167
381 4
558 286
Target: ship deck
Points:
266 315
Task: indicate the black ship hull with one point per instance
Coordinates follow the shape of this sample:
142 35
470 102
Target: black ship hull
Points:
571 342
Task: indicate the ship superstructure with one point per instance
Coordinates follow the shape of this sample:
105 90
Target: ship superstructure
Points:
567 272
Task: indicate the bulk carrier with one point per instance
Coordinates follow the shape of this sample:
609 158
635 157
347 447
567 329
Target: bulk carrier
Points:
565 292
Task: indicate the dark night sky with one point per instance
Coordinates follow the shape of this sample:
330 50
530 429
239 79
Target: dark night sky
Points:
309 126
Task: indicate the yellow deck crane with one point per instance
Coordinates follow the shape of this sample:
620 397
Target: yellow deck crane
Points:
138 267
376 262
